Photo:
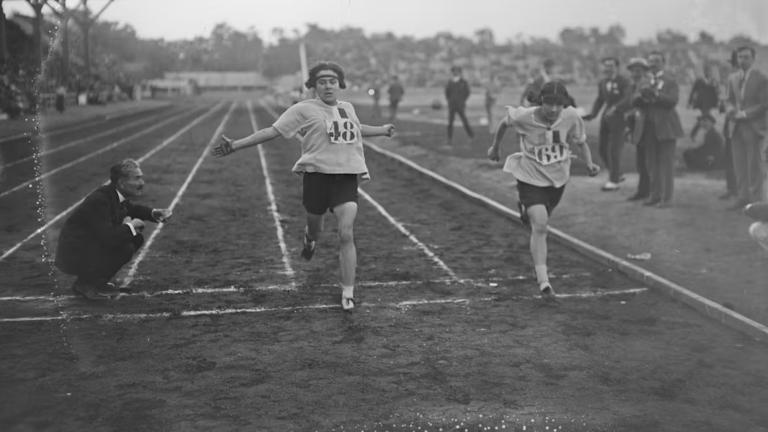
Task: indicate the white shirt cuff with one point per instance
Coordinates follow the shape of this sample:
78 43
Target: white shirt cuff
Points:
133 230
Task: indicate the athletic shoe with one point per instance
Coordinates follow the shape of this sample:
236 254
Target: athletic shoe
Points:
610 186
309 248
523 214
545 288
347 303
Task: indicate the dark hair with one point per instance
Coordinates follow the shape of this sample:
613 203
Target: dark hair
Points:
746 48
735 58
121 170
455 69
658 53
547 63
325 65
615 60
555 93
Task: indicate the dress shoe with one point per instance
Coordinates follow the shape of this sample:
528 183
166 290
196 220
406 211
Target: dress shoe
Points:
637 197
88 291
663 204
725 196
108 289
652 202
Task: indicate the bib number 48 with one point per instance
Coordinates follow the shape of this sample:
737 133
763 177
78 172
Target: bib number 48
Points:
342 132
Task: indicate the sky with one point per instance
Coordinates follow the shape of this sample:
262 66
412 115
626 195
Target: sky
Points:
509 19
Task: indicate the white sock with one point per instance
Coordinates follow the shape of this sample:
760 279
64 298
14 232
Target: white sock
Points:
348 291
541 274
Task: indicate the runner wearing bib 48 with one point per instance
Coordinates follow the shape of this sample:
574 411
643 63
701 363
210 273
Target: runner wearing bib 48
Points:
331 162
547 132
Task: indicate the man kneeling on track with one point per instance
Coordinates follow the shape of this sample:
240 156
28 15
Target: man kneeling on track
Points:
104 232
542 167
331 162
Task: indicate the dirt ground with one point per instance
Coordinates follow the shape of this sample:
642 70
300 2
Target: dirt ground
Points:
458 340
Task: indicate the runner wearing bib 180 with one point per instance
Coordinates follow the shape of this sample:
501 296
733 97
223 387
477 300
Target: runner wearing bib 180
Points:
546 132
331 162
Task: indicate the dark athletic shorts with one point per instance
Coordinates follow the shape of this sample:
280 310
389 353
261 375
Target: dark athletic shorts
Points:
548 196
323 192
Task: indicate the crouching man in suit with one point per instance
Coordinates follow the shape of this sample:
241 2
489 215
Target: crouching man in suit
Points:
104 232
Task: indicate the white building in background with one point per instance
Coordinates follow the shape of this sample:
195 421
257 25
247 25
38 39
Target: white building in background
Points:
210 80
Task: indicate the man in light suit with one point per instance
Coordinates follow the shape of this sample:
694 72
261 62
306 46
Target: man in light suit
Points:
661 129
747 106
104 232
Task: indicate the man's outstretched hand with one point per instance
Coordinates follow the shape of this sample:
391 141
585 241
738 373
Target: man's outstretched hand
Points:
223 148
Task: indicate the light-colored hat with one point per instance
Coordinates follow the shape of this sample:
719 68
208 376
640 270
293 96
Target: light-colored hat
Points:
637 61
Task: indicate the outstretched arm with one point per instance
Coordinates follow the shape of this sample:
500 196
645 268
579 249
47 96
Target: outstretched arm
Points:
586 153
373 131
229 146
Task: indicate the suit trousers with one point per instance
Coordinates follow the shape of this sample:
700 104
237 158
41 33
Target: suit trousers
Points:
746 149
643 181
452 111
104 266
611 144
660 162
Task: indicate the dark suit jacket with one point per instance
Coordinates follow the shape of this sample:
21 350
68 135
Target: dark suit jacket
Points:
704 94
96 228
754 102
612 92
657 102
457 92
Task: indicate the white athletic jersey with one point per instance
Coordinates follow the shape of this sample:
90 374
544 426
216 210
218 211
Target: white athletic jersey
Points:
545 151
331 141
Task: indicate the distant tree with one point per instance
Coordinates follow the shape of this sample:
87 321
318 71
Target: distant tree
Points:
742 40
706 38
671 37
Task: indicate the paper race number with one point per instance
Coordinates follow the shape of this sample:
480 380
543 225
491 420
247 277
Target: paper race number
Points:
342 131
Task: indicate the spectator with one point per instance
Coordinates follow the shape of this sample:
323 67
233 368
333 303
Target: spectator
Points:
748 103
396 93
661 129
704 93
375 93
640 77
456 93
708 153
492 90
730 175
61 93
530 94
104 232
611 93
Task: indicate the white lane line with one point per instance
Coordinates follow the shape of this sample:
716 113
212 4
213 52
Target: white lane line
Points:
428 252
162 145
136 261
90 155
273 204
53 132
405 305
83 140
479 283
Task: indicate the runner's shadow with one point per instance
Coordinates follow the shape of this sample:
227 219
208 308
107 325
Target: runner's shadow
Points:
352 331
